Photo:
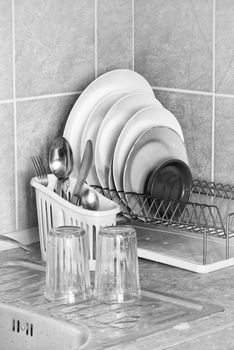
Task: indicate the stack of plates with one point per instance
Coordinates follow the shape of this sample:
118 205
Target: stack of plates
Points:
132 133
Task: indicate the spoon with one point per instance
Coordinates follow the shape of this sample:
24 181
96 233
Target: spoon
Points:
89 200
61 163
83 171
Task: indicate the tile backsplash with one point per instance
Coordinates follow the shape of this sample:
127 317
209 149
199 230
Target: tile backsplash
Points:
52 49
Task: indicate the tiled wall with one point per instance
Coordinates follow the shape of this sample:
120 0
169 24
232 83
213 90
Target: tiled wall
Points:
185 48
52 49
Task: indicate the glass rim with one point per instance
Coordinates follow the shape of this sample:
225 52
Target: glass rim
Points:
66 231
114 231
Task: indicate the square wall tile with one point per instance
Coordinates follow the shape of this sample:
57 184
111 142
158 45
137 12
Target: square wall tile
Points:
114 35
224 55
173 43
224 141
6 67
38 123
7 169
54 46
194 113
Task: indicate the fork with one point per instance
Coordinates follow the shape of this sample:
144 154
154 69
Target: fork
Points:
40 170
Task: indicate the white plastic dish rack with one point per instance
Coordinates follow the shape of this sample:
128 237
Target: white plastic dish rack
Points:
54 211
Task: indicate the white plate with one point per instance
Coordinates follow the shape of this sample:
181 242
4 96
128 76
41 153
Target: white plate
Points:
146 118
111 126
111 184
114 195
92 126
150 149
103 85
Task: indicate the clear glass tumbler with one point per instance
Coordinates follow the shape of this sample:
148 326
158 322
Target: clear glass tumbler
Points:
67 266
117 272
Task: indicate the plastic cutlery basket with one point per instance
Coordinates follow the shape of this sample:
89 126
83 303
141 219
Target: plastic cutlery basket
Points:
54 211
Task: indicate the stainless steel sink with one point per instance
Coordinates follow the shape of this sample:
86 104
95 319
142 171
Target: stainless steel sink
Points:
27 321
22 329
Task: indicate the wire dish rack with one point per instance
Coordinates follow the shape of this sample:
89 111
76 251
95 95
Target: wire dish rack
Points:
194 235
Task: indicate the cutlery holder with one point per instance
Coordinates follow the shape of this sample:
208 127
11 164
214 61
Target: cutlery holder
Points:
54 211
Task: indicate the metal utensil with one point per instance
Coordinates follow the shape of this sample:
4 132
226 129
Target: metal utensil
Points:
61 163
89 200
15 242
86 163
40 170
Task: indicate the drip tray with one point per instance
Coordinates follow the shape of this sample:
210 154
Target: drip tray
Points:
182 249
22 285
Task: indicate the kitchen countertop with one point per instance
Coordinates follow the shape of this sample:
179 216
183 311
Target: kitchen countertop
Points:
212 332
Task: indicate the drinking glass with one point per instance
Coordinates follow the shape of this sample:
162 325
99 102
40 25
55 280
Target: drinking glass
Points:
117 271
67 266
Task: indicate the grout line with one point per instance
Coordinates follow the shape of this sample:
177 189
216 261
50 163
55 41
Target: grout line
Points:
40 97
213 97
95 40
218 94
15 118
196 92
133 35
7 101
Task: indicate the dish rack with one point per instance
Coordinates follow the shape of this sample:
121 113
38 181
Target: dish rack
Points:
194 235
53 211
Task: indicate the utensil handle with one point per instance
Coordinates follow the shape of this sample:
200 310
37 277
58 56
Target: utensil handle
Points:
58 189
64 187
86 163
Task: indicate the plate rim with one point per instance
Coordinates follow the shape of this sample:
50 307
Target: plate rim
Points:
156 128
119 168
107 122
118 78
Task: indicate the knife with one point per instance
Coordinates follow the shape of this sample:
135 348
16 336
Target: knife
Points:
83 172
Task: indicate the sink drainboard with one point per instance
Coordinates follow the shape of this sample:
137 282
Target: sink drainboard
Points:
27 321
23 330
